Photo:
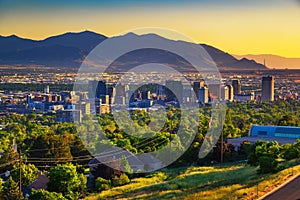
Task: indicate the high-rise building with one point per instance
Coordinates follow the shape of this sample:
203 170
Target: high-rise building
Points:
237 87
196 86
160 92
214 91
85 107
225 93
268 88
47 89
146 95
30 98
230 92
92 86
189 94
111 92
174 89
120 90
101 90
203 95
97 89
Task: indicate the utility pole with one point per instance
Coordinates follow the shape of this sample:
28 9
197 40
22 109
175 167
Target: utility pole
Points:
20 171
257 190
222 139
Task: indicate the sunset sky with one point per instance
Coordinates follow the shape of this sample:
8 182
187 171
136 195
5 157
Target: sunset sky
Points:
235 26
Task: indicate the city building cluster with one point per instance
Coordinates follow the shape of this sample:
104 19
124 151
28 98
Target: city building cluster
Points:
101 96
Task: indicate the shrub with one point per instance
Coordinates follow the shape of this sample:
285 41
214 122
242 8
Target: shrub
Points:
291 152
102 184
45 195
172 186
252 159
122 180
267 164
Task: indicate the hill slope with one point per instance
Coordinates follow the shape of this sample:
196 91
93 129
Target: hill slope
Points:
227 182
227 61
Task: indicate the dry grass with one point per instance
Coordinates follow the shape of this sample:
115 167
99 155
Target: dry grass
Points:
227 182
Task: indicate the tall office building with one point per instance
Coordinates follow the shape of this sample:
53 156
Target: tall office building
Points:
224 93
111 92
230 92
160 90
237 87
120 90
47 89
85 108
92 86
101 90
268 88
196 86
97 89
30 98
120 94
214 91
203 95
146 95
174 89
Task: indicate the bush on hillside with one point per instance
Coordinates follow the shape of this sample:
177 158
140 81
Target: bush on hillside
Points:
102 184
122 180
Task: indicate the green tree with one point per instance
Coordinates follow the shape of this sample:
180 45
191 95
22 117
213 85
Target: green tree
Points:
45 195
9 158
29 173
64 179
11 190
1 188
291 151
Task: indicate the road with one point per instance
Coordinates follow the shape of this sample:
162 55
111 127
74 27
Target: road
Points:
290 191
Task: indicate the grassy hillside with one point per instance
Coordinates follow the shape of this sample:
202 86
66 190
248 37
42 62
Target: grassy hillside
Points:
237 181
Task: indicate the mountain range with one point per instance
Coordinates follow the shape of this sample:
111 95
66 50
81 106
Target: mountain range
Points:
273 61
69 50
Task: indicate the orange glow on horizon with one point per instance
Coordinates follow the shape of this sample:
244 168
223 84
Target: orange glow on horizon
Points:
260 31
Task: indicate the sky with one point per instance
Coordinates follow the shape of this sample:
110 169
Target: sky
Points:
235 26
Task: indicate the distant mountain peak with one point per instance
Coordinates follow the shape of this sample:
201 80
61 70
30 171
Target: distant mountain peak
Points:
12 36
273 61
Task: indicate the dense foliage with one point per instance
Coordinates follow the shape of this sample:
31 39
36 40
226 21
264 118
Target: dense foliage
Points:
65 179
45 195
48 145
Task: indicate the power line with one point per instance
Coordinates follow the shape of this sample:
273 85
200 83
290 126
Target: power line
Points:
96 164
81 158
9 171
20 168
9 163
107 152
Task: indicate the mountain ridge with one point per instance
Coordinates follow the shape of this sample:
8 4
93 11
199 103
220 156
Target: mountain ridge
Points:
68 49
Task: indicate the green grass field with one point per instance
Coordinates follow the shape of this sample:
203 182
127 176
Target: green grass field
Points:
231 181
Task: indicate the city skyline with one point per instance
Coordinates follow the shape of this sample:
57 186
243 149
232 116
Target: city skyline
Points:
238 27
149 99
